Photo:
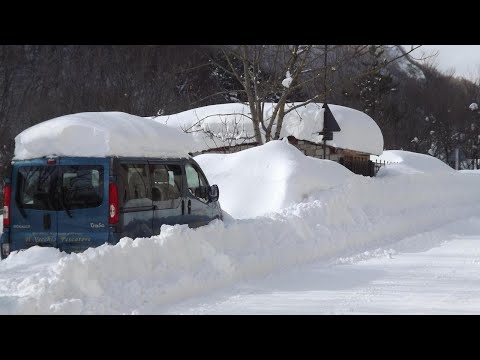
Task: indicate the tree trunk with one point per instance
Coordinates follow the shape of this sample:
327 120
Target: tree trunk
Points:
281 114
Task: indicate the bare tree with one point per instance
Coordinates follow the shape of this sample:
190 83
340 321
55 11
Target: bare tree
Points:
230 132
279 74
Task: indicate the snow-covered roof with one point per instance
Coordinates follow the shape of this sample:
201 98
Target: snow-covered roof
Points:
100 134
230 124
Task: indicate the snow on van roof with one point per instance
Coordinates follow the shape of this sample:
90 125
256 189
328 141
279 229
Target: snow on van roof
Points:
100 134
229 124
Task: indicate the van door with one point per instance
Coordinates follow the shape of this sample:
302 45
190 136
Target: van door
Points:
33 208
167 194
135 198
83 203
198 210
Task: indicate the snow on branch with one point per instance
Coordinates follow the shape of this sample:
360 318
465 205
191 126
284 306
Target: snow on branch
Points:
230 131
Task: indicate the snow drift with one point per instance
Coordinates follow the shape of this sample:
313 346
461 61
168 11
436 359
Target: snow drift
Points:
147 275
268 178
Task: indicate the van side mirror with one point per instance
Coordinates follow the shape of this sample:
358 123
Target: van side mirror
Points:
213 193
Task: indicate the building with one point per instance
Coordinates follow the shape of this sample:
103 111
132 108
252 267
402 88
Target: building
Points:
227 128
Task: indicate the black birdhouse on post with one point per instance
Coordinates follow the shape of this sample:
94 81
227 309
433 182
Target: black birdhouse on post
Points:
330 126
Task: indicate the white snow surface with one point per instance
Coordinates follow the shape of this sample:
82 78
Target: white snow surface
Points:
100 134
275 175
229 124
401 162
155 275
433 272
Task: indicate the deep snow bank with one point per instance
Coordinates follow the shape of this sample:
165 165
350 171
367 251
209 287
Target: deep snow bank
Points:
268 178
145 275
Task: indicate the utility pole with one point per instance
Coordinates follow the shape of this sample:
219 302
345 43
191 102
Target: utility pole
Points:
329 123
325 102
457 158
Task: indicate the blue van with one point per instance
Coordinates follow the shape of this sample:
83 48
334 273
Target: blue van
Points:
73 203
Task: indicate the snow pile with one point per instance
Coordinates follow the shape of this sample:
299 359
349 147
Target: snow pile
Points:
268 178
401 162
149 274
230 124
99 134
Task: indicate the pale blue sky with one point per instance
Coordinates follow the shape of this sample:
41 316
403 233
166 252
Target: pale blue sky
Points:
464 59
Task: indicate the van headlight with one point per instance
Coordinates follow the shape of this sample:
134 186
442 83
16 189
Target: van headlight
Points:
5 249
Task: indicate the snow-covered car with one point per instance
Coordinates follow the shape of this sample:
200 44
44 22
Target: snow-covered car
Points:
74 202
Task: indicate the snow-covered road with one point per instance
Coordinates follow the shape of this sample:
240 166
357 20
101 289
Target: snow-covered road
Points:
404 242
436 272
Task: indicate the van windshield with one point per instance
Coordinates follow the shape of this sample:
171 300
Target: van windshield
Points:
59 187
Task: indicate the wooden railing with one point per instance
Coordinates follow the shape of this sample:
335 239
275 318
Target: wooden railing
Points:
363 167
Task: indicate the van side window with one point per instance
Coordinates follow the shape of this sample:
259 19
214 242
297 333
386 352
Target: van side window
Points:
197 184
135 185
166 185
